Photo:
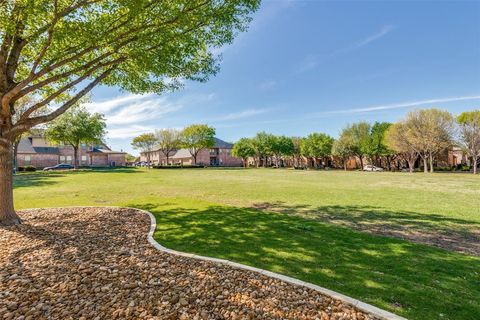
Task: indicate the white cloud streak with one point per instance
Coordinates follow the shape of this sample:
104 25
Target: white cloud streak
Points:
241 115
402 105
373 37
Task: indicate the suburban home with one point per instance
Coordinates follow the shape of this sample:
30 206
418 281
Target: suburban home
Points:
219 155
37 151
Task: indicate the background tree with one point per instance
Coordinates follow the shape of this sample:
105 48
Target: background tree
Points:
430 131
469 123
76 126
358 134
397 139
145 143
377 147
297 150
343 148
264 143
58 51
317 145
197 137
244 148
168 141
282 147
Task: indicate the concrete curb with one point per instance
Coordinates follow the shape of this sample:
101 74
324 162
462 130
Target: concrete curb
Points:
365 307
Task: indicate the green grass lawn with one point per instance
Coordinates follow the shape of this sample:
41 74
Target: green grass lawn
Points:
304 224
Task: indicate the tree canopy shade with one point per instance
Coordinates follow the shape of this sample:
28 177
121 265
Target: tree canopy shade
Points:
76 126
197 137
57 51
145 143
244 148
469 123
317 145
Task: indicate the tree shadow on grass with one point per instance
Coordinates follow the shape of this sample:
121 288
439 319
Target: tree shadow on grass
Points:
417 281
432 229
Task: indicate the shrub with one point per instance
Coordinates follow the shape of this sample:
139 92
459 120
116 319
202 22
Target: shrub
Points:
26 168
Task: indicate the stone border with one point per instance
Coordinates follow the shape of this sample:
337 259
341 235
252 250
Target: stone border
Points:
365 307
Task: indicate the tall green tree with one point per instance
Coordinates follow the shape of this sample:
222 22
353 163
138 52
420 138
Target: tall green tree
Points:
343 148
197 137
469 123
168 141
76 126
377 147
359 136
297 150
244 148
264 143
282 147
145 143
317 145
59 51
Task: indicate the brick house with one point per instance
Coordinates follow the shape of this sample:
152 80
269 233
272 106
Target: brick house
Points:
219 155
38 152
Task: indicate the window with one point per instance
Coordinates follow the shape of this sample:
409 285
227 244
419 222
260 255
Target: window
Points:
69 160
27 160
84 159
83 145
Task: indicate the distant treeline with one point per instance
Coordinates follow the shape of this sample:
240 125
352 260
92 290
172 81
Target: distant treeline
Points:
422 134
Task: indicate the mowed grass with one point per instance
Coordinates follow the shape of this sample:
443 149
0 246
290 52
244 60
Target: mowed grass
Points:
275 219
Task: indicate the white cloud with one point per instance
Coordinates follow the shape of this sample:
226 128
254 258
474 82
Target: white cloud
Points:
128 131
403 105
241 115
267 85
382 32
108 105
140 111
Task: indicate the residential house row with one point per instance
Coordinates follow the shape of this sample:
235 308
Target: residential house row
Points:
37 151
218 155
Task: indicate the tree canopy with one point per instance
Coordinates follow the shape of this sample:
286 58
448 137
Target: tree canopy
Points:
76 126
469 139
197 137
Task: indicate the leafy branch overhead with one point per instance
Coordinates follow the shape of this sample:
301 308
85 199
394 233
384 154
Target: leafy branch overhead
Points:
49 49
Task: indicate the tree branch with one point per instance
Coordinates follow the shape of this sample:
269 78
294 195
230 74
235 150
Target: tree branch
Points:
27 124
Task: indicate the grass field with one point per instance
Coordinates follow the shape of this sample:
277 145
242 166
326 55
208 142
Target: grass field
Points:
319 226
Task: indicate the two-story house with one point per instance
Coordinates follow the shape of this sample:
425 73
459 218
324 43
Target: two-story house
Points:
36 151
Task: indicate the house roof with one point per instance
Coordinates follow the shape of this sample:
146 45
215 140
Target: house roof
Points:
182 154
222 144
105 151
25 146
46 150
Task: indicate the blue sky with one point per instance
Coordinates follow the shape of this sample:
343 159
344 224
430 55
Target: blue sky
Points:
307 66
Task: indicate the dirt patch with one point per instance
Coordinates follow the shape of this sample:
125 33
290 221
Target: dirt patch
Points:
96 263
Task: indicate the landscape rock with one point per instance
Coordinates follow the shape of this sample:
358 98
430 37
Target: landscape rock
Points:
96 263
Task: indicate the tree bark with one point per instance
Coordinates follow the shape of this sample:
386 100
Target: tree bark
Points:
425 165
430 158
15 154
7 211
75 157
361 162
475 163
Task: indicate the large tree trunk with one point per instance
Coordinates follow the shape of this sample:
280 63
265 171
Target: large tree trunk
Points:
7 212
475 163
430 158
75 157
361 162
425 164
15 154
411 164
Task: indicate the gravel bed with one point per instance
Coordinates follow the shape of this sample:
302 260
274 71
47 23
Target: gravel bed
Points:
96 263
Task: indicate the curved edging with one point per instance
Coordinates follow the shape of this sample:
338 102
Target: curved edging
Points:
365 307
377 312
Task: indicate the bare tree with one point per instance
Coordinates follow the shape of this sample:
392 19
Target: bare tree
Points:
168 140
